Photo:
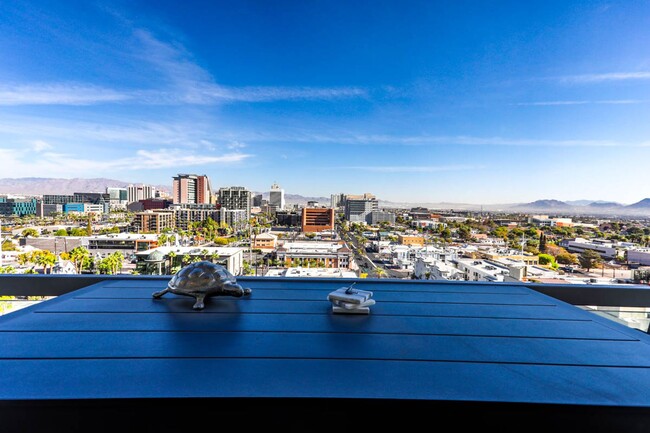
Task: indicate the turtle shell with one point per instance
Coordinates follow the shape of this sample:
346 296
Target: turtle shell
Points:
200 277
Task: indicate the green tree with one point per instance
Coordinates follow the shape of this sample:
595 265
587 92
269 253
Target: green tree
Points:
542 242
79 257
77 231
589 259
566 258
30 232
546 259
61 232
464 233
7 245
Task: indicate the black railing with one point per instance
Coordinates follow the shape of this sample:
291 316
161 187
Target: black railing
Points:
575 294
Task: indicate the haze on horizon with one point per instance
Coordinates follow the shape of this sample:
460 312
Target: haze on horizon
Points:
462 102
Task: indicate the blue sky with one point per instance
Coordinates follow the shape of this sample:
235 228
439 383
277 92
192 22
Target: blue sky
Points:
456 101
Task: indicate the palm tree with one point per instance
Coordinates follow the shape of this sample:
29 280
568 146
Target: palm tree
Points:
380 272
171 256
79 255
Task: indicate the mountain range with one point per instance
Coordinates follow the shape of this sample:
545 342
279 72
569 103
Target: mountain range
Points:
34 186
44 185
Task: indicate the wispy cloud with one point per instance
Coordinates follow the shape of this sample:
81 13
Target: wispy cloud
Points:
59 94
431 140
192 84
120 131
40 145
412 168
583 102
52 164
610 76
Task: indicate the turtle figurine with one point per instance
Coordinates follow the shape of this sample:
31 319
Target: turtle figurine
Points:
203 279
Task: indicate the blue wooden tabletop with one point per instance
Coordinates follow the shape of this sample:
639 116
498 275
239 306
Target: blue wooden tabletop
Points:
446 342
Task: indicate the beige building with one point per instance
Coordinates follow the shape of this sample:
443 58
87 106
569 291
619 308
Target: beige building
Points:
265 241
153 221
410 240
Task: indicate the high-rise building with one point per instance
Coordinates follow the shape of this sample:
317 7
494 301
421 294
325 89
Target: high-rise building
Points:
257 200
358 208
276 197
192 189
337 200
140 192
118 197
236 198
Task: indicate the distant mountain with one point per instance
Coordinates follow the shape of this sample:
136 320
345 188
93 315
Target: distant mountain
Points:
298 199
44 185
605 205
544 204
580 202
643 204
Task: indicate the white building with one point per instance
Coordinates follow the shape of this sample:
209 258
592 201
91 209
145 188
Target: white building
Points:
427 224
639 255
483 270
603 247
311 272
428 268
140 192
276 197
232 258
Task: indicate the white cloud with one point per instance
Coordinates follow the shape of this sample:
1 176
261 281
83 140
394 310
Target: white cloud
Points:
15 163
59 94
236 145
192 84
611 76
413 169
584 102
424 140
40 145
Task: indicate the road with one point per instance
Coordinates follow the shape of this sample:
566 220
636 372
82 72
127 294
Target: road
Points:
368 261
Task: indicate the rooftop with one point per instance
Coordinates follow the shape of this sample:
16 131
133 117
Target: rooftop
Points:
491 354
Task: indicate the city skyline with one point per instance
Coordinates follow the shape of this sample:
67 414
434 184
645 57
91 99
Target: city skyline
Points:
414 101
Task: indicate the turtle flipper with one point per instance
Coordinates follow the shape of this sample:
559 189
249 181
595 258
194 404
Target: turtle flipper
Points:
199 305
157 295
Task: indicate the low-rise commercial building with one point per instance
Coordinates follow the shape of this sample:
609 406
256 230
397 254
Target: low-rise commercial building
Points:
316 254
163 260
124 242
265 241
410 240
603 247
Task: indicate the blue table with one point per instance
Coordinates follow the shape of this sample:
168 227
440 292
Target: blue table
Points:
490 351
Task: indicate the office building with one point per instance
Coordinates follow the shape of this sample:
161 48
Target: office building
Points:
192 189
57 199
276 197
377 216
257 200
18 207
140 192
337 200
358 208
45 210
317 219
288 218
